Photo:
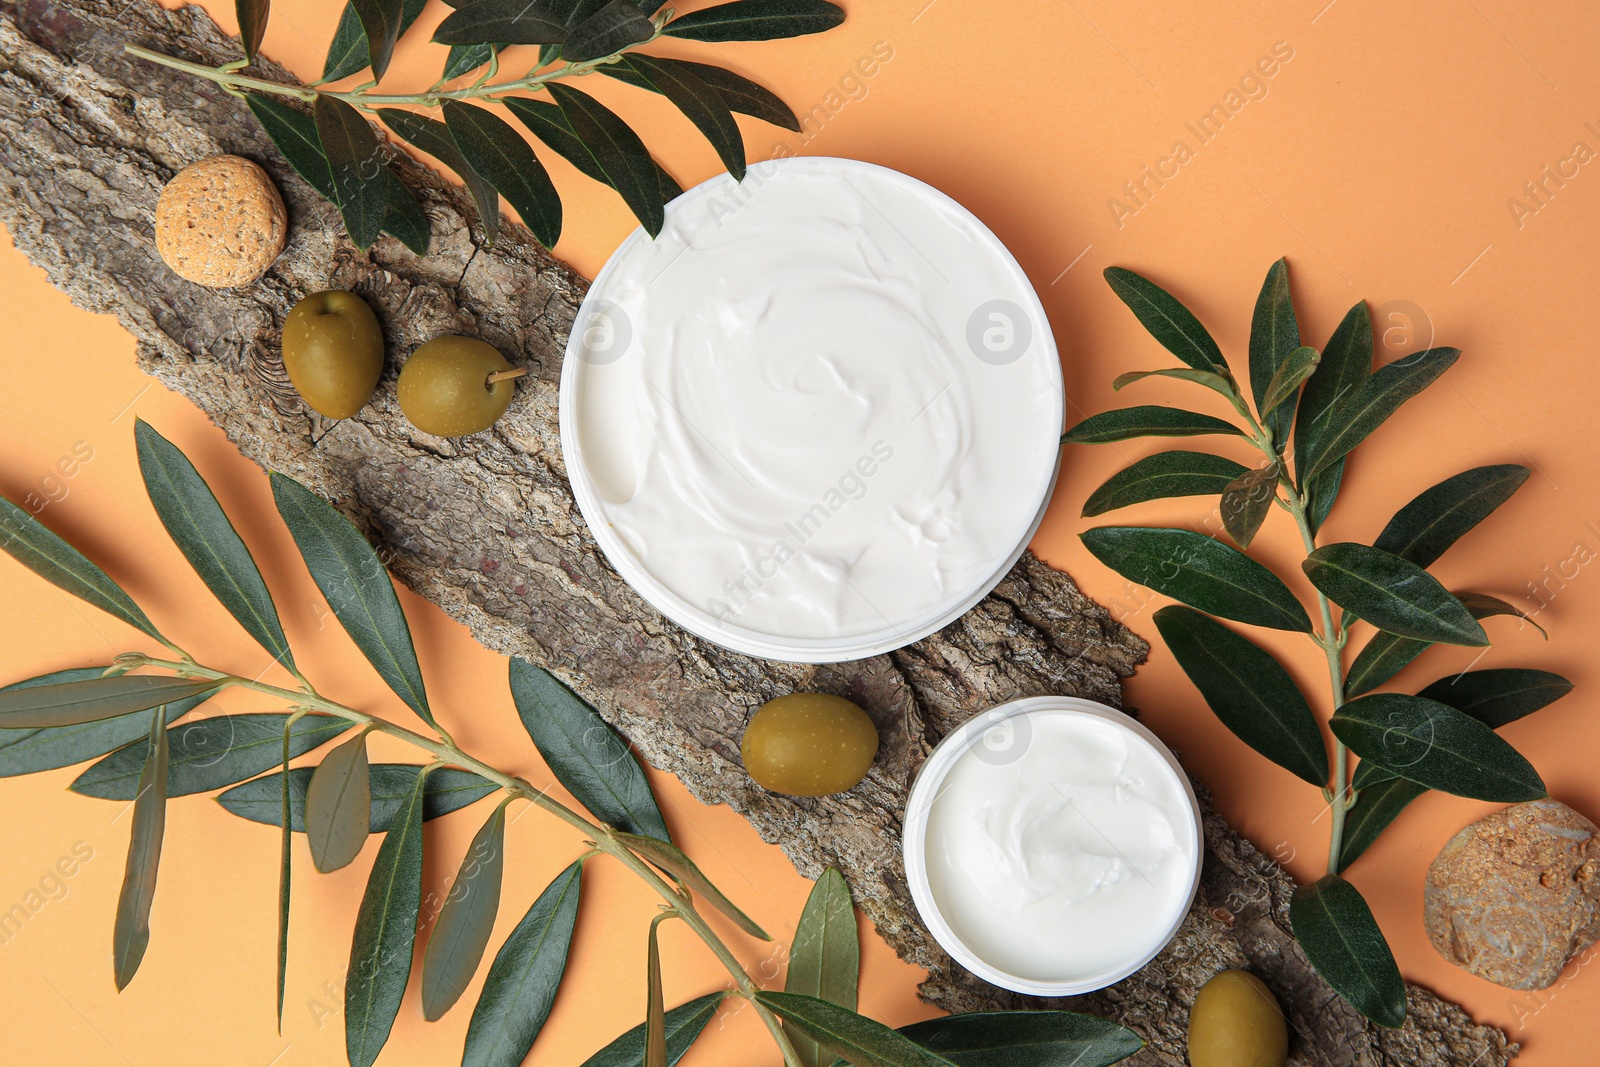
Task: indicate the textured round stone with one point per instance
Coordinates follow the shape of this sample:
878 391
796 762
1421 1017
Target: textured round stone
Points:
220 222
1516 895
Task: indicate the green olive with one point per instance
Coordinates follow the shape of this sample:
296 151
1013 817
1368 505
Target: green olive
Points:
809 745
1236 1022
445 387
333 351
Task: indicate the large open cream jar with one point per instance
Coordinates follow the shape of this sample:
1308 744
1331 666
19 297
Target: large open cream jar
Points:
1052 845
818 417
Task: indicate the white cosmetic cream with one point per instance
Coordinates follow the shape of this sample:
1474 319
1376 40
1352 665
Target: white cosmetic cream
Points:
1052 845
818 416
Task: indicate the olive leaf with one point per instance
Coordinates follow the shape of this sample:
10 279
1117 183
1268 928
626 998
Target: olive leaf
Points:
285 867
1168 321
1385 654
1246 501
1199 571
1340 937
1320 493
355 165
25 751
1291 374
202 532
208 754
1026 1039
522 982
615 26
862 1041
433 137
131 935
655 1022
502 22
446 790
1500 695
404 218
381 20
1248 690
587 756
494 150
619 153
700 103
737 92
92 699
356 586
756 20
349 52
385 934
682 1025
31 544
1366 407
1346 362
671 859
466 57
1432 522
252 16
1274 338
1435 745
1375 808
465 922
825 957
339 805
1392 594
1148 420
1165 474
1218 383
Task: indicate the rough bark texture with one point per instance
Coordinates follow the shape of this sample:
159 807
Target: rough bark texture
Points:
486 527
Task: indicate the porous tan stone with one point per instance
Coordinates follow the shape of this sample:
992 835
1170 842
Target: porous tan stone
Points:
1516 895
220 222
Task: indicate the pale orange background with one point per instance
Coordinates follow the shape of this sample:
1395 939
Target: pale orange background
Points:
1380 160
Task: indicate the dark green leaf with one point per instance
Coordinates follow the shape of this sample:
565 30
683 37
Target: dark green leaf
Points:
617 151
355 164
1392 594
349 52
1384 656
862 1041
756 20
259 799
1366 406
1375 808
1201 572
131 935
1026 1039
589 758
738 93
494 150
1291 374
1274 335
1498 696
1321 492
404 219
1484 606
356 587
1435 745
202 532
467 919
1165 474
1346 363
339 805
294 132
1246 501
550 126
92 699
208 754
433 137
502 22
285 867
381 20
1342 940
385 935
670 859
27 540
466 57
683 1025
614 27
522 982
252 16
1431 523
1210 379
825 958
655 1021
1168 321
702 104
24 751
1249 691
1120 424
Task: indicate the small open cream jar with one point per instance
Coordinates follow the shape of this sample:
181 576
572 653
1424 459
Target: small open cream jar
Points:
1052 845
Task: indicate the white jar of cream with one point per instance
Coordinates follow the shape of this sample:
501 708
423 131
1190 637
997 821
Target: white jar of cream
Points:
1052 845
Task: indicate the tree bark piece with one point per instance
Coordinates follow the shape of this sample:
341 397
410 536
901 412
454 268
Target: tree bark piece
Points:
486 527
